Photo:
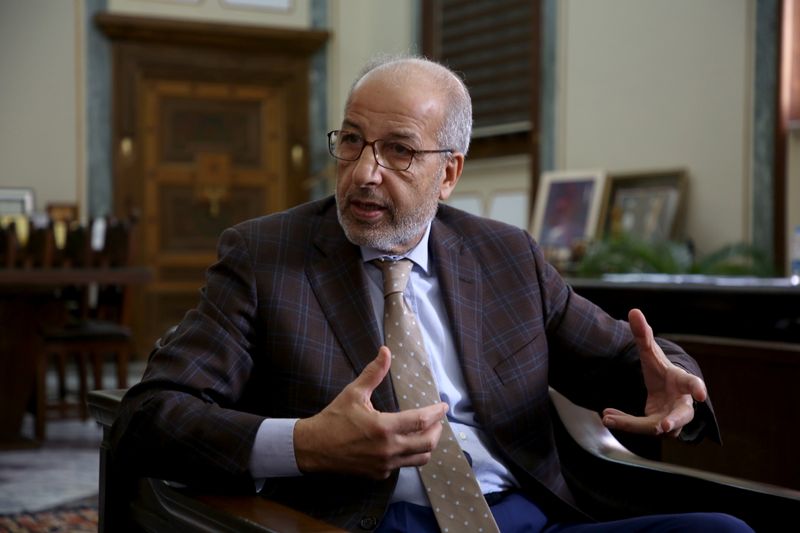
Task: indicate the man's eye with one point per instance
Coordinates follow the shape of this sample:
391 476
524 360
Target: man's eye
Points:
398 149
349 138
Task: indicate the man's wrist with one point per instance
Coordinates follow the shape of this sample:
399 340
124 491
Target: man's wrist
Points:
273 449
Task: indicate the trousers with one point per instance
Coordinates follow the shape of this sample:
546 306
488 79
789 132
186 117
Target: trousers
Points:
515 513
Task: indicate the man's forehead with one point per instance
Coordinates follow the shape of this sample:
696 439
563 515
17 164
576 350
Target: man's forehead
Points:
402 111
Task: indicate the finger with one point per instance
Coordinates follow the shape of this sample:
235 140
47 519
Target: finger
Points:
417 459
693 385
418 420
642 332
374 373
645 425
681 415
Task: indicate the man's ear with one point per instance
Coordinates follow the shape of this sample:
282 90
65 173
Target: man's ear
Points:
452 172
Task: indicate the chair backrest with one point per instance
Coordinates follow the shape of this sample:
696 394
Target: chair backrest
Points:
8 247
106 242
41 247
24 244
77 247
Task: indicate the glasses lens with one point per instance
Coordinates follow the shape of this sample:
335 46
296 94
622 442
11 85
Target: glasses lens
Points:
393 155
345 145
348 146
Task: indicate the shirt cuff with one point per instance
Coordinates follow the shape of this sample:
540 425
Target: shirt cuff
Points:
273 449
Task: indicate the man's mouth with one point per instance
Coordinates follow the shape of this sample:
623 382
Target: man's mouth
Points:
366 210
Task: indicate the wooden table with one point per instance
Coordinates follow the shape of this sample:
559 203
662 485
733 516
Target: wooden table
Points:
29 300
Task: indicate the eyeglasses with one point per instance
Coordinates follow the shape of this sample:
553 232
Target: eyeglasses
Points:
394 155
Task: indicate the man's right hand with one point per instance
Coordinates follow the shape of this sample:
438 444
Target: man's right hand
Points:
350 436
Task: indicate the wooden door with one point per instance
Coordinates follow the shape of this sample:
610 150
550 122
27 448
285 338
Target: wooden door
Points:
210 128
213 156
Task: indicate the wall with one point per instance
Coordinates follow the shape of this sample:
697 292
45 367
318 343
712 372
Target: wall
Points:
792 192
40 99
648 84
362 29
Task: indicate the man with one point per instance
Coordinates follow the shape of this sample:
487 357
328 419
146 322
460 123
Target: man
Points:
279 380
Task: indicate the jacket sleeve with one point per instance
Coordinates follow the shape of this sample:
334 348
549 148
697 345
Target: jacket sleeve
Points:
594 359
179 422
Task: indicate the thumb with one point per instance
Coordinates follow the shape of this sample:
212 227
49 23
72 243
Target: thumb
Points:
642 332
374 372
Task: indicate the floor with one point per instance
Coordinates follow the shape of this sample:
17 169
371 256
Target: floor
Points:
63 470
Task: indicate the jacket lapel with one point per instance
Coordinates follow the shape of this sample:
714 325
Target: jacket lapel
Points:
460 277
335 271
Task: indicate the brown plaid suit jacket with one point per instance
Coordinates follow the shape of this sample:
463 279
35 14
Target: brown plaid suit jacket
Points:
285 322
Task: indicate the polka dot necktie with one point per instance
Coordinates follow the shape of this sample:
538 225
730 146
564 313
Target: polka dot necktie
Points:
452 489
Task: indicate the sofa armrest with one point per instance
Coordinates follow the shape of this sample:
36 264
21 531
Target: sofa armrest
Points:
612 482
153 505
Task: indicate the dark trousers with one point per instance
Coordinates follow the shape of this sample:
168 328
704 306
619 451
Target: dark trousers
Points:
516 514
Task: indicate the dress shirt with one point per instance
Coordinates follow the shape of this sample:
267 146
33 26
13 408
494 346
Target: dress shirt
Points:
273 451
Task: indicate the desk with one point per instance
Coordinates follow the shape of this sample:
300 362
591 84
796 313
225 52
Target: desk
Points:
28 300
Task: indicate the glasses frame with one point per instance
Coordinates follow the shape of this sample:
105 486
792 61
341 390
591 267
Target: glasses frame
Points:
371 144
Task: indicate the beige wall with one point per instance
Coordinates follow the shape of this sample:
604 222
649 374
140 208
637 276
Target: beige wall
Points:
792 192
651 84
646 84
41 140
641 84
362 29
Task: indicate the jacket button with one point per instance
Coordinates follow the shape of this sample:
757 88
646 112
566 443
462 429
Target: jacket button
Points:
368 523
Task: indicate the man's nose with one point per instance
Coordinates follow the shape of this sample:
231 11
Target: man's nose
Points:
366 171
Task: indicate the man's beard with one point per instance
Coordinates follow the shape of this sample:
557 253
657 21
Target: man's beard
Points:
398 232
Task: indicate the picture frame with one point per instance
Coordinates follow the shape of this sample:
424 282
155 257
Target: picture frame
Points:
567 208
646 205
16 201
272 5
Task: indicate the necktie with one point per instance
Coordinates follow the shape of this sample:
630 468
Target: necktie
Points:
453 491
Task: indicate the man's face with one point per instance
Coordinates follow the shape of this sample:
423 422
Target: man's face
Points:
390 209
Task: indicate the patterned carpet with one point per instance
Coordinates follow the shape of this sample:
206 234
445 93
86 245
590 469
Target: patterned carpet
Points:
65 468
53 487
77 520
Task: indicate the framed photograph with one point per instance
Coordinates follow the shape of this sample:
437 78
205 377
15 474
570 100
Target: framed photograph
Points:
568 205
16 201
646 205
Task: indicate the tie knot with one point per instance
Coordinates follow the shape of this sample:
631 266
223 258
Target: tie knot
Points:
395 275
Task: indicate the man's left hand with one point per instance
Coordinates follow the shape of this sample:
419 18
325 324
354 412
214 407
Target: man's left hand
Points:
671 391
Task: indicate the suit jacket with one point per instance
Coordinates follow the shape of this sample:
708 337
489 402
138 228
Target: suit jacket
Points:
284 323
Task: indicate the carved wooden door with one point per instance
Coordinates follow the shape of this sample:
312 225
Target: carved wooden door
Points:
211 126
212 155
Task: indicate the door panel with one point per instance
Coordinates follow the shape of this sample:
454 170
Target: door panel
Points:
213 155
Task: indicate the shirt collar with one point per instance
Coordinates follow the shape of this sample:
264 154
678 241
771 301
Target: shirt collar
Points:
418 254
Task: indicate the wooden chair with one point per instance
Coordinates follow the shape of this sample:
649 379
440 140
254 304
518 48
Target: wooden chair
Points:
8 246
607 479
35 250
94 330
